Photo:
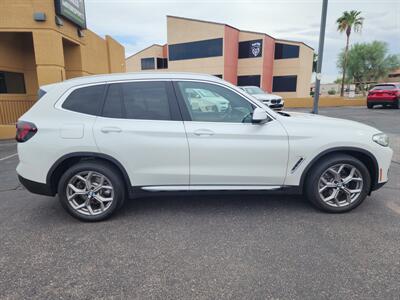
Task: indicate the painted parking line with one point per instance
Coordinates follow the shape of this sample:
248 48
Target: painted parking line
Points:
7 157
394 207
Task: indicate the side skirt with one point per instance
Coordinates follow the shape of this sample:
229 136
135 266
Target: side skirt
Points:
159 191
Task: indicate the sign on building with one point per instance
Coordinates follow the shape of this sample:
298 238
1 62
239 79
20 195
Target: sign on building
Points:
73 10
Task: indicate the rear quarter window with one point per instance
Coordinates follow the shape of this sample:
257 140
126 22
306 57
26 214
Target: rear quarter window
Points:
86 100
40 94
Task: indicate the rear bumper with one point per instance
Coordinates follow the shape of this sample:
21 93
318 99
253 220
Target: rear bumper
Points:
36 187
382 100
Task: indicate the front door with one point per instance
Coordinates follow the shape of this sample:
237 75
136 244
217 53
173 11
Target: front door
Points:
226 149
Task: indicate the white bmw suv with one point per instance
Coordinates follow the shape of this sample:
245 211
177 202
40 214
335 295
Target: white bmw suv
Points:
96 141
272 101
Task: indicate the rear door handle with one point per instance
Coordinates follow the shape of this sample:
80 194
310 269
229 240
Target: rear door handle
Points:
203 132
110 129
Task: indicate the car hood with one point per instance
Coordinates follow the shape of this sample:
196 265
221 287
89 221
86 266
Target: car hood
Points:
266 96
314 124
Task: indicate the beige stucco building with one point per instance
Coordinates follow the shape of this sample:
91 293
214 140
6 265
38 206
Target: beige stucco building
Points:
38 47
240 57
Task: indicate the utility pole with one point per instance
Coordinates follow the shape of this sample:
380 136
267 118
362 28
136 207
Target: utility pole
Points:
320 55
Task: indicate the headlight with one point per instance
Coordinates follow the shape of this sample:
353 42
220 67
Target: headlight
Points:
381 139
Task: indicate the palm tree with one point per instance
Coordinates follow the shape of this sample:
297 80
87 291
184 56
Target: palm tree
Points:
350 20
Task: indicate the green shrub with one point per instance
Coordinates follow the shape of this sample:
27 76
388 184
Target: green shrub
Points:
332 92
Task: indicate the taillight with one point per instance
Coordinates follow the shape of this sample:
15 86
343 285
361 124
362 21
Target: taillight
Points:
25 130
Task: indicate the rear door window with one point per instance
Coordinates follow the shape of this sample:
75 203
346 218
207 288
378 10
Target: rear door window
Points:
86 100
138 100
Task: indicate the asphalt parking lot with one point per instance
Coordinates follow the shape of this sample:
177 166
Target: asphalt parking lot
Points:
241 247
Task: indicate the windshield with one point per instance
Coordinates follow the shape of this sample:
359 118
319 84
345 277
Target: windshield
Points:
254 90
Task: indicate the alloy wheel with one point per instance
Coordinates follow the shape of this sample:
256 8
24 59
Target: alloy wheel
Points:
340 185
90 193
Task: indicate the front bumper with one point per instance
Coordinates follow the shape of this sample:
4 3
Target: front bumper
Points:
377 186
383 156
274 105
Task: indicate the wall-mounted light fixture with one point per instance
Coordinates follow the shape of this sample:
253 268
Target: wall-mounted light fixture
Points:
39 16
80 32
59 21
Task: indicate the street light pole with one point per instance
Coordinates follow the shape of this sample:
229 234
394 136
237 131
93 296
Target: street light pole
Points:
320 55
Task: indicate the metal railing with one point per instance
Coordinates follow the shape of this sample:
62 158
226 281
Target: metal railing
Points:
11 110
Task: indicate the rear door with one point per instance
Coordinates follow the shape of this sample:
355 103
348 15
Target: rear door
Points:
141 127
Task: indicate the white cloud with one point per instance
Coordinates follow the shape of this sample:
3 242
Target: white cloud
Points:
140 23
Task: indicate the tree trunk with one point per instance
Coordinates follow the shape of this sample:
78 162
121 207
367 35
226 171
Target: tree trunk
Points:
344 65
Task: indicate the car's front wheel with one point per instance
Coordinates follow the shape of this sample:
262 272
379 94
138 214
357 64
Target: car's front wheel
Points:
338 183
91 191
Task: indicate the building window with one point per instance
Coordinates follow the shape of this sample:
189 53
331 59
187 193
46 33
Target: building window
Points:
199 49
162 63
12 83
284 83
249 80
147 63
249 49
283 51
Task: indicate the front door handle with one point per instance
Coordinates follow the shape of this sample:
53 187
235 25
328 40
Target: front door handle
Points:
203 132
110 129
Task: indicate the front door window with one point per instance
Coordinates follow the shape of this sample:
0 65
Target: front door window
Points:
213 103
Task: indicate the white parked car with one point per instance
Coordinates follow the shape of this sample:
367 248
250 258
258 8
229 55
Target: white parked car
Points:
205 100
98 140
273 101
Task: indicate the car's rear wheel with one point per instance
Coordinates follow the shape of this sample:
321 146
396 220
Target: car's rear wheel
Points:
396 104
91 191
369 105
338 183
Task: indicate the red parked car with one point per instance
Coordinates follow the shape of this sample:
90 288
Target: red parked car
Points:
386 94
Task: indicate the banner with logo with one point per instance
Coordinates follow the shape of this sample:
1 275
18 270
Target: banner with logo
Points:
73 10
249 49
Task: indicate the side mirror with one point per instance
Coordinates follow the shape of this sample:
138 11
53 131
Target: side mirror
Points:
259 115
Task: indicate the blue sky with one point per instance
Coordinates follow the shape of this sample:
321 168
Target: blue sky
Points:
140 23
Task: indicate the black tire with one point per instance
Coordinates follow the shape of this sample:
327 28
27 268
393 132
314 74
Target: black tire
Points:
369 105
313 178
99 167
396 104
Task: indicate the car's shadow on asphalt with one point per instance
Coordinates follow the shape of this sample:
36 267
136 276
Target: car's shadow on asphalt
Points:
195 205
382 107
232 204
